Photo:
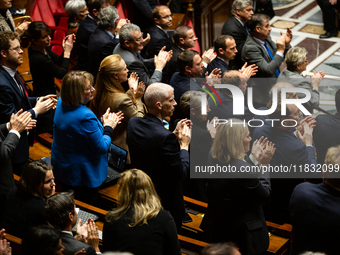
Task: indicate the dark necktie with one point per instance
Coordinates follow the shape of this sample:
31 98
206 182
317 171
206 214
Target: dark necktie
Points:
22 91
139 57
271 57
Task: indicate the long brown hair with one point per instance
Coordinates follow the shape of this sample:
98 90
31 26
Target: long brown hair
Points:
106 85
136 192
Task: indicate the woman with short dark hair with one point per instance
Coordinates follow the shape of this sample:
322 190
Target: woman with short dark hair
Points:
139 224
45 65
80 140
25 202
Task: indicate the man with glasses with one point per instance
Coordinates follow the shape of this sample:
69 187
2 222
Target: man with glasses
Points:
129 47
162 18
13 95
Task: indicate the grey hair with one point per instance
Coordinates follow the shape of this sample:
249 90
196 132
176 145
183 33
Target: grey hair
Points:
107 17
125 33
156 92
72 7
240 4
295 56
191 99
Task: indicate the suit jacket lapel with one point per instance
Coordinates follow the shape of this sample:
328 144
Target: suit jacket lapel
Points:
12 82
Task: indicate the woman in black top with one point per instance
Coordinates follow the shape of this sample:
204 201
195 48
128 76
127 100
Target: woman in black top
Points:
45 65
236 196
25 202
139 225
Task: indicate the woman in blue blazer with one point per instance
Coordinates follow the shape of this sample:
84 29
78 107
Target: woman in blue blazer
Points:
80 141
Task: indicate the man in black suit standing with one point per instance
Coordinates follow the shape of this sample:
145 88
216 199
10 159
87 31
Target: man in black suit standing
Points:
9 139
326 132
242 11
184 38
160 153
60 211
329 17
162 17
86 28
13 96
105 38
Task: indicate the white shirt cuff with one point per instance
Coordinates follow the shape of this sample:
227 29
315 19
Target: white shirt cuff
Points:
280 54
15 132
158 70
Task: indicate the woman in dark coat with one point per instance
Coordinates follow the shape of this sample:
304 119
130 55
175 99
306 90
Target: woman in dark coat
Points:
235 197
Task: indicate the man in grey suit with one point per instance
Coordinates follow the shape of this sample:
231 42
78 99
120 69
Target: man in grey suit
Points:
60 211
259 49
9 139
129 47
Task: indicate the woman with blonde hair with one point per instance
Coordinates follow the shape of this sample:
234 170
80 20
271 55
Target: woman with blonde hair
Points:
139 224
110 93
236 196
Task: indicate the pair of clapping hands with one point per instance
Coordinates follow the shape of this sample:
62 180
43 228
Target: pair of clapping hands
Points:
112 119
5 247
87 233
183 133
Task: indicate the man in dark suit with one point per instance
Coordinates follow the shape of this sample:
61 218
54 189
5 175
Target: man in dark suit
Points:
13 96
293 150
142 13
161 154
184 38
104 39
225 110
130 43
329 17
60 211
260 50
242 11
225 48
326 132
162 17
86 28
9 139
314 210
190 67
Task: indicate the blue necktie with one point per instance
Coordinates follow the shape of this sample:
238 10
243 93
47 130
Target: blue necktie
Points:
246 29
271 57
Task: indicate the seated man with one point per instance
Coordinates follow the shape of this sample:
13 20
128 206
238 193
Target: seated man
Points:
130 43
315 210
104 39
162 18
60 211
326 132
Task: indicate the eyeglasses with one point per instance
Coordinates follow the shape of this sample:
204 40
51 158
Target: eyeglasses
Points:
296 114
168 16
17 49
89 88
138 39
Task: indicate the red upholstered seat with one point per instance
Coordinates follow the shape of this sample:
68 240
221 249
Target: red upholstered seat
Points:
58 49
